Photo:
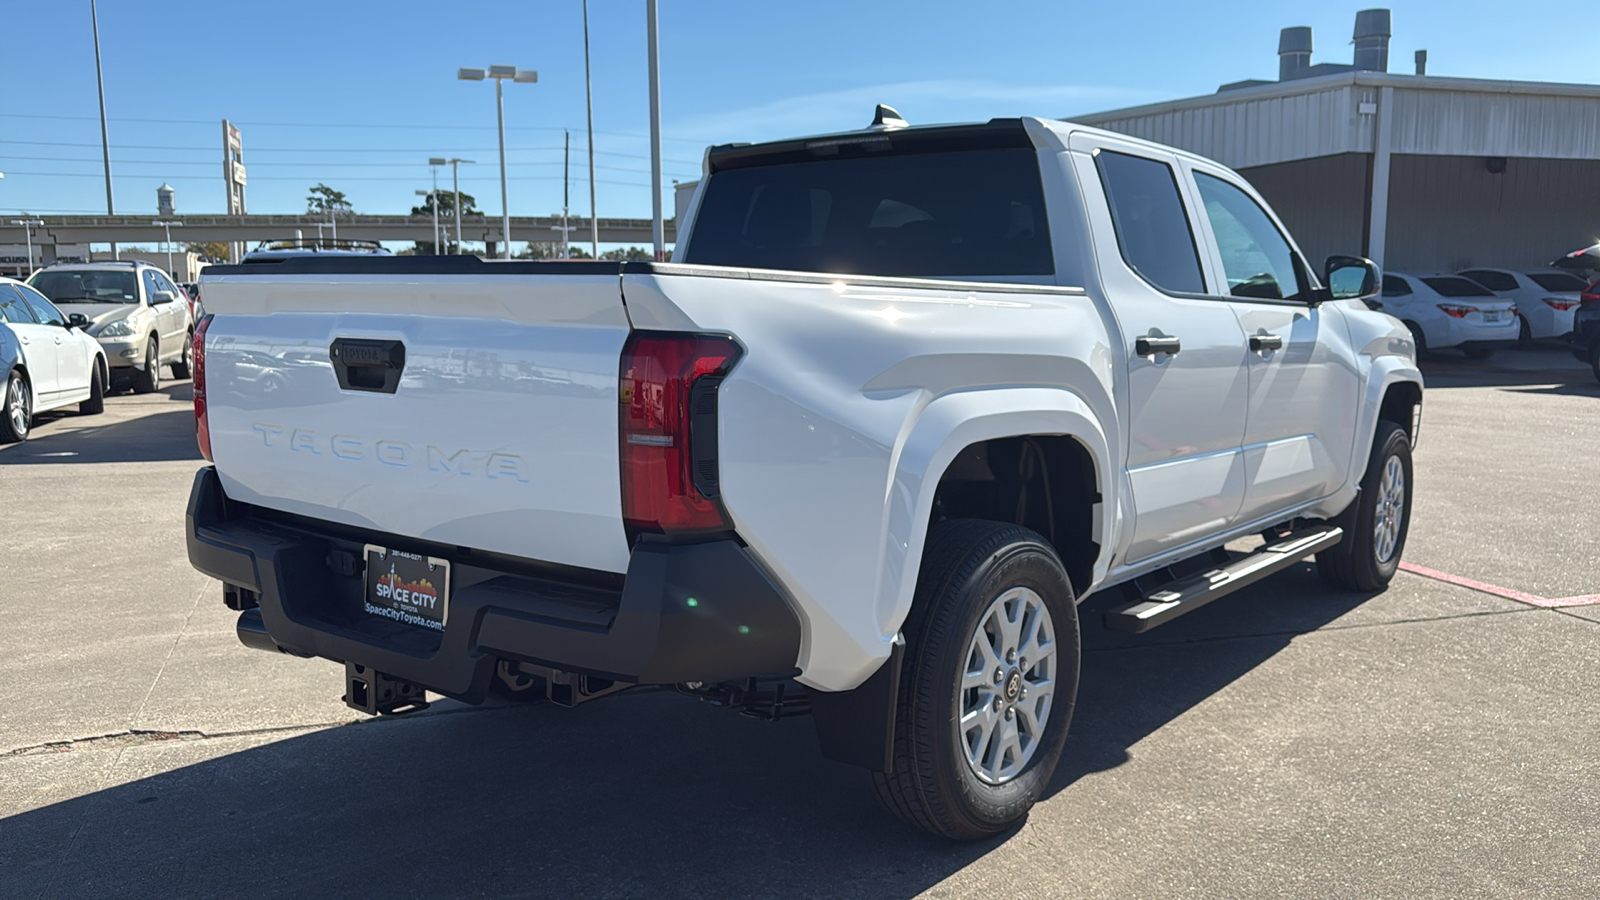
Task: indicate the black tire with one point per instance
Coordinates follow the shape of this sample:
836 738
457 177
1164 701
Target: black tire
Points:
1355 564
148 379
1478 352
967 566
180 369
96 404
1418 338
14 425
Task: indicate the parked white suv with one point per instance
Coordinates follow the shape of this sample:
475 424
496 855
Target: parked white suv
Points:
134 310
1450 311
904 397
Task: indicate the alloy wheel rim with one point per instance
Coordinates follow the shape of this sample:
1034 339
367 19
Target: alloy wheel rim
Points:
1390 510
1007 686
19 407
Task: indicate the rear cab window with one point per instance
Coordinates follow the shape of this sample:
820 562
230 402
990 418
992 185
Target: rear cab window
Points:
958 202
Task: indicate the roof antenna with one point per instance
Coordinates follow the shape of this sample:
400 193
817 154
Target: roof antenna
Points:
887 117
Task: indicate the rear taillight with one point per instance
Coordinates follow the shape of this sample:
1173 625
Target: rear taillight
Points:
669 430
1560 304
1457 312
197 359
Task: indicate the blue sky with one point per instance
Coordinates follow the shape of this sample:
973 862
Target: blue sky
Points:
359 95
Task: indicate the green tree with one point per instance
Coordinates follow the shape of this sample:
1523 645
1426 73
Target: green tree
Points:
447 206
629 254
217 250
325 199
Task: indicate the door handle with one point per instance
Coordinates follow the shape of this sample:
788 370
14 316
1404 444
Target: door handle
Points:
1150 346
1260 343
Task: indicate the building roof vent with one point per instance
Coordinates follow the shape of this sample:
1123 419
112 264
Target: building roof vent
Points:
1422 62
1294 53
1372 40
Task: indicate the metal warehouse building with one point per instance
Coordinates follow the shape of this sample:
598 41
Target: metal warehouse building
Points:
1418 173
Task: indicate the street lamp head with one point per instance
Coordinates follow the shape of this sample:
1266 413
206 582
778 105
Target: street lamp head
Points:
421 193
470 74
526 76
502 71
438 161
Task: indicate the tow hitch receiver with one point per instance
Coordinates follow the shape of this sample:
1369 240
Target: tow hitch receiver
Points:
375 693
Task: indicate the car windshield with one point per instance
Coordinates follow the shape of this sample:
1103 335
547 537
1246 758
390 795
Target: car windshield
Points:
87 287
1457 287
1558 281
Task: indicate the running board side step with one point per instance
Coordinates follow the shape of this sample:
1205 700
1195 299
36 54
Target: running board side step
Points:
1191 593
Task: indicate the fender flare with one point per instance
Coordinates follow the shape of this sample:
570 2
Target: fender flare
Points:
945 427
1386 372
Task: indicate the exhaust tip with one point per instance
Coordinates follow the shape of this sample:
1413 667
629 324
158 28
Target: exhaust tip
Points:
253 632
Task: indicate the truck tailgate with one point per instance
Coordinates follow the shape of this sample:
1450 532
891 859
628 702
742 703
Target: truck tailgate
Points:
478 411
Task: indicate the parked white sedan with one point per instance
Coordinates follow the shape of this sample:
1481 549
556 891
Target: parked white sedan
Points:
47 360
1450 311
1545 299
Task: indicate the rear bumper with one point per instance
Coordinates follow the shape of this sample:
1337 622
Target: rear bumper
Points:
639 628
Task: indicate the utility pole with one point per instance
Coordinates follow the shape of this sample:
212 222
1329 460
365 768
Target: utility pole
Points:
27 226
588 93
657 230
105 136
566 190
500 74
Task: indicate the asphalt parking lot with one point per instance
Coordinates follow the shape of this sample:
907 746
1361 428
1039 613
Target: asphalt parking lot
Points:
1435 740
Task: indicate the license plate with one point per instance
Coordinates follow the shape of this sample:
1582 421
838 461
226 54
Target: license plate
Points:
407 588
1491 317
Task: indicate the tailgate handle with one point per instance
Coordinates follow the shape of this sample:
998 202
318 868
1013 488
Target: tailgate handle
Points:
368 365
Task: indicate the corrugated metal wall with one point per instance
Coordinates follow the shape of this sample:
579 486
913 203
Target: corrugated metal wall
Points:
1246 133
1486 123
1450 212
1322 201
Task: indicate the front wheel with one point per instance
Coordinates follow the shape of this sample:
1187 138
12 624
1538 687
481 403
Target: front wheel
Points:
180 369
989 680
1376 523
148 379
16 409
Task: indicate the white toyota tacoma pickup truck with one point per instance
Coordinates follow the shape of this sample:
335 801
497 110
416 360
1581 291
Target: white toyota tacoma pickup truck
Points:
904 398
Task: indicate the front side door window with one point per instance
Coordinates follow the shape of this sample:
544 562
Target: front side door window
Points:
1256 260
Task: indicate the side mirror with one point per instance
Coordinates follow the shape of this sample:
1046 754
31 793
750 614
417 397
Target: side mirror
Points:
160 297
78 321
1351 278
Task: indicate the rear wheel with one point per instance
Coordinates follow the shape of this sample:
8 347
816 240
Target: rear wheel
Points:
16 409
1376 523
1418 338
180 369
989 680
148 380
96 404
1524 336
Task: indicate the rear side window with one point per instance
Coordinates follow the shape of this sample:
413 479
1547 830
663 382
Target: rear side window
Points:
969 213
1395 286
1457 287
12 308
1558 281
1494 281
1151 223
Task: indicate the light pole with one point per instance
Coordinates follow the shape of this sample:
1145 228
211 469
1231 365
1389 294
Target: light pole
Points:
166 226
588 93
105 136
500 74
433 201
455 182
27 226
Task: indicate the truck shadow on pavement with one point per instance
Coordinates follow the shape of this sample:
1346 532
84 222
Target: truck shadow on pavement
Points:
644 795
155 437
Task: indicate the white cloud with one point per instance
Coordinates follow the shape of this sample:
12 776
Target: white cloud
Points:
921 102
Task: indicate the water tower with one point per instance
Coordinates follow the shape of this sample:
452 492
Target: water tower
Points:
166 205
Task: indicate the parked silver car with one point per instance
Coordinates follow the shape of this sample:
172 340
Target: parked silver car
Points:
135 311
